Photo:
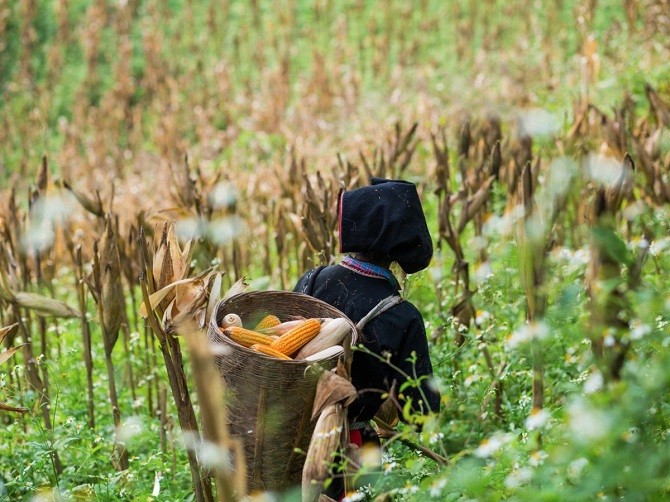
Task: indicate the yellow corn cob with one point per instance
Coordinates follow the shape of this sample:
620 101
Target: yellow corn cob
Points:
269 351
290 342
247 337
268 321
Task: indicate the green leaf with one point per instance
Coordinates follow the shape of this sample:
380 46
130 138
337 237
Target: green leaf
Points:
612 245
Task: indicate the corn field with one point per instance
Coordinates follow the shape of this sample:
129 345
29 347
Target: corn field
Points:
156 157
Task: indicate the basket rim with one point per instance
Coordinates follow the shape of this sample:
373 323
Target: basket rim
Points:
214 324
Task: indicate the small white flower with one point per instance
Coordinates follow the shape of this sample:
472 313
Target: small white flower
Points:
354 497
526 333
594 383
538 458
519 477
437 486
435 437
657 247
537 419
389 466
639 330
482 316
587 423
576 467
491 445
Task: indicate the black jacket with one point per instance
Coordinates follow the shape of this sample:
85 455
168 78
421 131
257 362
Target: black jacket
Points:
398 332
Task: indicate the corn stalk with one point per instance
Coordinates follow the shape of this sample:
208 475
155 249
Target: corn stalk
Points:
160 270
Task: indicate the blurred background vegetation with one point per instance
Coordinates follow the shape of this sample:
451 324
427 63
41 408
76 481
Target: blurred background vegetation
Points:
241 120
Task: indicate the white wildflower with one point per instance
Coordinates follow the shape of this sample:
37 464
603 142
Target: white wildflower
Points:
538 457
657 247
639 330
586 422
526 333
594 382
518 477
576 468
491 445
537 419
436 437
353 497
437 486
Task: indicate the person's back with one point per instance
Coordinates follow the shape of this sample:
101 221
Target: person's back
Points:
397 333
380 224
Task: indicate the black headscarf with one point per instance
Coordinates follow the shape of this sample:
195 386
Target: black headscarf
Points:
386 219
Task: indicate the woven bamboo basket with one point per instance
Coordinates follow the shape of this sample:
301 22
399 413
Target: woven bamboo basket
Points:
270 400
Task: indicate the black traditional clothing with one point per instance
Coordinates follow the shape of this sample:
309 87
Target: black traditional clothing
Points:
399 333
386 219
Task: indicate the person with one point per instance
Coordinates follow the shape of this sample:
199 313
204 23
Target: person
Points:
380 224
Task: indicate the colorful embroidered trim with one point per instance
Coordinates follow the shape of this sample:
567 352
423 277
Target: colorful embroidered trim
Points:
369 270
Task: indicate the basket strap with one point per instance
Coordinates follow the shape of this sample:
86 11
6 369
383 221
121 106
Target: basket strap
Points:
381 307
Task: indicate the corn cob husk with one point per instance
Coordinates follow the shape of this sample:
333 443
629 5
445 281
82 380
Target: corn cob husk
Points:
325 353
283 328
111 292
231 320
326 439
290 342
268 321
333 332
247 337
269 351
45 306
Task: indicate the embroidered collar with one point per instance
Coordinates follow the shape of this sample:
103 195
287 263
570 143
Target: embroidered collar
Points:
370 270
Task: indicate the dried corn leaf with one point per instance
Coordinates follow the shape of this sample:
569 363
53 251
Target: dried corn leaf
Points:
332 388
92 205
157 298
325 441
4 356
6 330
238 288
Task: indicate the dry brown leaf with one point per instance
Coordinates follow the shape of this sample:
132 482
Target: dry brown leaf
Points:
4 356
6 330
332 388
325 441
45 306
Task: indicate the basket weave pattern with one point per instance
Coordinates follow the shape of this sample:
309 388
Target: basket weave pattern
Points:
269 400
